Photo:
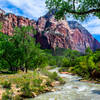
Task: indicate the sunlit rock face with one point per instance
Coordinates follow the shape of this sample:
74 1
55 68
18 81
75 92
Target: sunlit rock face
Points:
82 38
57 33
52 33
65 34
10 21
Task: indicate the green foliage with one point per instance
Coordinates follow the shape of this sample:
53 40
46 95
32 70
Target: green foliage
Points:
52 76
97 56
7 52
88 51
37 86
24 41
79 9
0 26
30 84
37 82
26 90
7 95
65 62
21 51
87 65
6 84
52 61
63 57
71 54
40 60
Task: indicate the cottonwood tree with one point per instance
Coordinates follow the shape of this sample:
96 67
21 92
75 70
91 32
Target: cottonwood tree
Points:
23 39
9 54
21 51
79 9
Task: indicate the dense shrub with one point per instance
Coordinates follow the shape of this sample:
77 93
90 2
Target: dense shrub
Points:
87 65
26 90
9 95
52 61
65 62
6 84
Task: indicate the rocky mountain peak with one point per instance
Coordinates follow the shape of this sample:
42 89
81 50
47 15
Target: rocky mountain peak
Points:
49 14
2 11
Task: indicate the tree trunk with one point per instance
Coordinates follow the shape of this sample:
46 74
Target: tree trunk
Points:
26 70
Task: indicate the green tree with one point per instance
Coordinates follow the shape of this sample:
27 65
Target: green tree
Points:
23 39
20 50
97 56
88 51
40 60
8 53
90 63
80 9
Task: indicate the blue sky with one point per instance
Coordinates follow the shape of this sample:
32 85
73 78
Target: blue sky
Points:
33 9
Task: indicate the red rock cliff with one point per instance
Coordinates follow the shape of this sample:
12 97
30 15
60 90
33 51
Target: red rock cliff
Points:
65 34
10 21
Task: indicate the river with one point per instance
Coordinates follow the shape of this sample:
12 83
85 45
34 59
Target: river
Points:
73 89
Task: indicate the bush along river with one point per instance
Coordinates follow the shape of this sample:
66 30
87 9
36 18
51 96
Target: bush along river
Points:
73 89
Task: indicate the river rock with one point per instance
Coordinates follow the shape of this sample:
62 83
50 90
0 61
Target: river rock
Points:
56 83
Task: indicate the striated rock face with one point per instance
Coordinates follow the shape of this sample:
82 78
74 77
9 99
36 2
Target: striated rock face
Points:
82 38
52 33
10 21
57 33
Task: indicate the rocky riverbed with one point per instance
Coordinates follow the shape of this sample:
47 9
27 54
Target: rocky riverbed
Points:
73 89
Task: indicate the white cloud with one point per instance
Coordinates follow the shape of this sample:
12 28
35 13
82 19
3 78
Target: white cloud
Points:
92 22
93 25
94 30
35 8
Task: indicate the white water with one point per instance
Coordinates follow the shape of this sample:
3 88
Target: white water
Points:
72 90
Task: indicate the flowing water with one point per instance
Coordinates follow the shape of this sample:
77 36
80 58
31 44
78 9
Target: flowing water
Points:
72 90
